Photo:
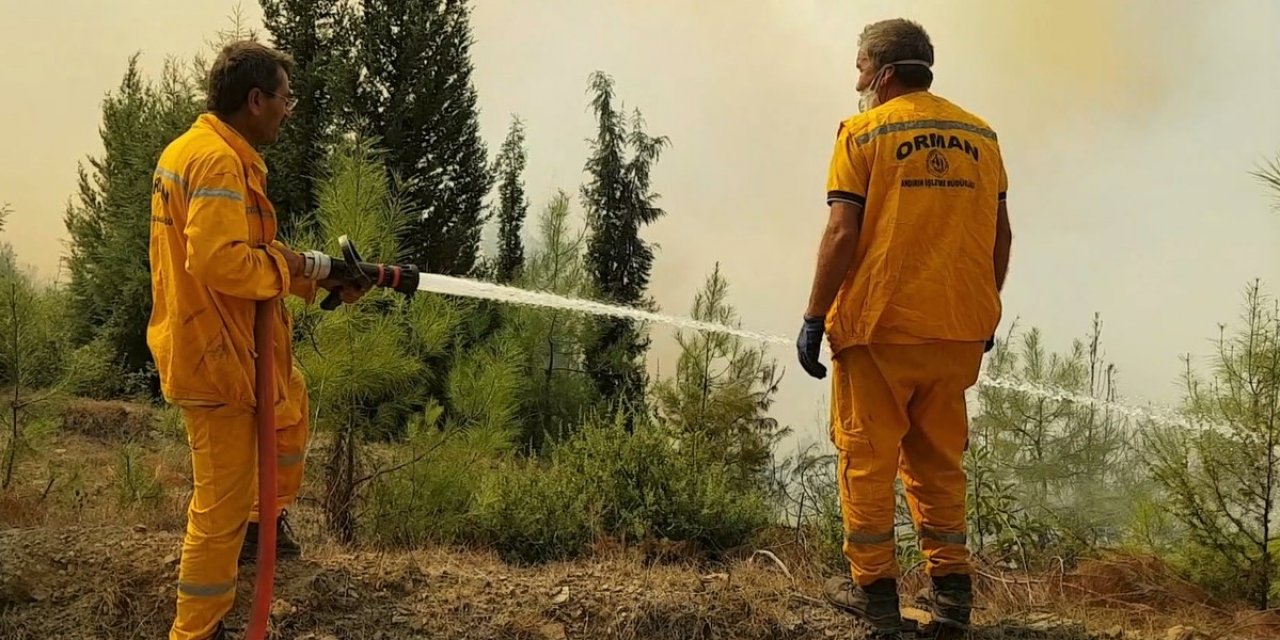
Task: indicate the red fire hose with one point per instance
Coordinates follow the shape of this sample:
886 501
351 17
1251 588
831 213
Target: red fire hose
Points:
264 343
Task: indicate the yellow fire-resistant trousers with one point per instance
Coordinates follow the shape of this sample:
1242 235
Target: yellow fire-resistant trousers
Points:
224 469
901 408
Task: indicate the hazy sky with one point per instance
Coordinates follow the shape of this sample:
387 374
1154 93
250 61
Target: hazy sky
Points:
1129 134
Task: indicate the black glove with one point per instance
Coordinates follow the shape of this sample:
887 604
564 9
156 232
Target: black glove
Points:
809 344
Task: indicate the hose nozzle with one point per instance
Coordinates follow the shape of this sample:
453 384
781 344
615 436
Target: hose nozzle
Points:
353 270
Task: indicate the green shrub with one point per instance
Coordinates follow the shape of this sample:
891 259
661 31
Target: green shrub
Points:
426 502
602 480
33 331
430 497
649 488
1206 568
94 370
135 484
531 513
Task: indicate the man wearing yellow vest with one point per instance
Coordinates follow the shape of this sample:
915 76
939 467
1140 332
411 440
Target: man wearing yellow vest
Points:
907 288
214 254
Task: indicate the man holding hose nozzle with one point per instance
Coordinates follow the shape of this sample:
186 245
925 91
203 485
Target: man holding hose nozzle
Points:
214 254
907 287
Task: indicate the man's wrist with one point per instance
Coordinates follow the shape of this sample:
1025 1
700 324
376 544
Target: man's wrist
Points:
294 260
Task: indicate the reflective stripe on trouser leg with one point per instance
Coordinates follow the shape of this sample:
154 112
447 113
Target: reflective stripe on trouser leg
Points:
868 422
944 537
223 455
292 431
932 454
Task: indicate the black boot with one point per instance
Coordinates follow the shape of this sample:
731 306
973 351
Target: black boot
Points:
876 604
952 601
286 546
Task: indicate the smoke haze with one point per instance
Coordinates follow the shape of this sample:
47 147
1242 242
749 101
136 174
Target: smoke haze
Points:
1129 131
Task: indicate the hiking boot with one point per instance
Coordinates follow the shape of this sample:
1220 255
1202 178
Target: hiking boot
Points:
952 601
875 604
286 546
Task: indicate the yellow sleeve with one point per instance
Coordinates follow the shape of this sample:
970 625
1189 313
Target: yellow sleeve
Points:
849 174
301 287
217 237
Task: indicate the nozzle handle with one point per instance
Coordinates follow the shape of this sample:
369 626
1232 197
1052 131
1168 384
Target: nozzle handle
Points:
352 259
331 301
352 269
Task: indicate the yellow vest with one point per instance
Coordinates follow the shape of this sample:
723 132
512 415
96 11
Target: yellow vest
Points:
929 177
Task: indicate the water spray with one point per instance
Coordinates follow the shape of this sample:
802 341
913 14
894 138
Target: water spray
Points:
454 286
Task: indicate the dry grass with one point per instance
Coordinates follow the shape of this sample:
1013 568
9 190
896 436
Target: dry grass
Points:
79 563
77 480
116 582
115 421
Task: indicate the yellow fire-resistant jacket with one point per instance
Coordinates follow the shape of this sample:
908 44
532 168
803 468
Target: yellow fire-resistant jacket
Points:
214 253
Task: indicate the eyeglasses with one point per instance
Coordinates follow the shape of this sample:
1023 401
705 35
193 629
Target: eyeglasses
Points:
289 101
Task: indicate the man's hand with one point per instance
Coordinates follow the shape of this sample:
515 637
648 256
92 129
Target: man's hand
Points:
809 344
350 293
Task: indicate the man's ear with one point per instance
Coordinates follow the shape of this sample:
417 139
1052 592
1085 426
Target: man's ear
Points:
254 100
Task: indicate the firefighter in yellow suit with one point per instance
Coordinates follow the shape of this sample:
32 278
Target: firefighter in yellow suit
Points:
214 254
907 288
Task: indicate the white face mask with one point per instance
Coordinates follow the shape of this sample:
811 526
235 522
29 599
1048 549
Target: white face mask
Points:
869 98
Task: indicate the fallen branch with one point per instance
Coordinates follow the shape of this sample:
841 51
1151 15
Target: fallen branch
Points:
813 601
1026 580
772 556
1113 599
1245 625
47 487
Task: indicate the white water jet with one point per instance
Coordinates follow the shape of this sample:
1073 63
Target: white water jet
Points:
450 285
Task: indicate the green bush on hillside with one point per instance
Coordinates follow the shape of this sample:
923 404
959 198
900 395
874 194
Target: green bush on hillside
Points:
605 482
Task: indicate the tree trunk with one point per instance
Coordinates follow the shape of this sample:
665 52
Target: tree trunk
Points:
11 456
341 487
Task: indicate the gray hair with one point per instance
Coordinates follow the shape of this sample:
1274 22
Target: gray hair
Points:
898 39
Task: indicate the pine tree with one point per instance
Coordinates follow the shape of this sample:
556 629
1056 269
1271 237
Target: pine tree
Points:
512 207
723 388
109 226
417 96
358 361
316 34
35 363
1221 476
558 393
619 202
1040 466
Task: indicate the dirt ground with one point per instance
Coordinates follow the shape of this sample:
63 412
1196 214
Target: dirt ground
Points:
74 567
117 582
